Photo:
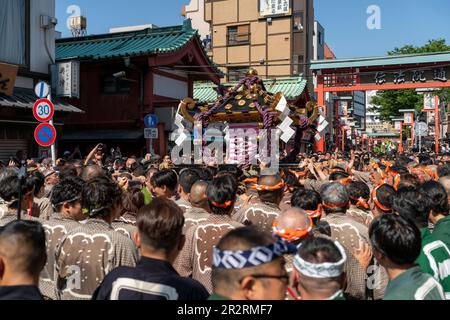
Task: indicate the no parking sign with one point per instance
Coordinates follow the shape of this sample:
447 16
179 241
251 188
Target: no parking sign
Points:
45 134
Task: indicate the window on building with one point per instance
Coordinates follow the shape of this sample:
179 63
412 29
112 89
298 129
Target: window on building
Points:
321 38
297 64
238 35
236 73
13 24
112 85
298 22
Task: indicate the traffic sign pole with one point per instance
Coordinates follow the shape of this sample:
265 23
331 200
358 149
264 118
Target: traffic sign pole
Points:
52 147
43 111
150 121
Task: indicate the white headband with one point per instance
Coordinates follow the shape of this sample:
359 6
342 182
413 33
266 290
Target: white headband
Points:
321 270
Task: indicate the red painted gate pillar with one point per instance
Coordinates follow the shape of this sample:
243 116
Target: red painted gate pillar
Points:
320 145
436 123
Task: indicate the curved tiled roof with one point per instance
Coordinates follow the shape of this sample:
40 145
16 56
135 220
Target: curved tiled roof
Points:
292 88
437 57
125 44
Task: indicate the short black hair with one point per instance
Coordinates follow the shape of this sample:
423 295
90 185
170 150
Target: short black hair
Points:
306 199
160 224
38 180
69 170
270 196
425 160
99 196
319 250
413 205
204 174
139 171
385 195
356 190
402 161
396 237
338 175
187 178
408 180
443 171
149 171
9 185
231 169
210 173
132 200
437 195
221 190
119 162
290 179
92 171
399 169
133 166
166 178
66 190
25 242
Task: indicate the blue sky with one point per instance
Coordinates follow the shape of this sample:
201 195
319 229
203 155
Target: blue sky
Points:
402 21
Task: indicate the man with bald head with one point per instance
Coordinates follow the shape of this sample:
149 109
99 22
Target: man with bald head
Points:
262 213
199 210
92 171
22 258
294 225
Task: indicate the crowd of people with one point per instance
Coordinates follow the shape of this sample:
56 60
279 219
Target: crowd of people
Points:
334 226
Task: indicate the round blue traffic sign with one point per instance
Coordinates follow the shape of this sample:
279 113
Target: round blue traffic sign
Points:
150 120
42 89
45 134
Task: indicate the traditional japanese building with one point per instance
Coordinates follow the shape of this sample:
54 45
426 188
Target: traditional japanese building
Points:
125 76
24 62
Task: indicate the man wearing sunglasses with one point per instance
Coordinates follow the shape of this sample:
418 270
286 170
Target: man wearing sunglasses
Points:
248 264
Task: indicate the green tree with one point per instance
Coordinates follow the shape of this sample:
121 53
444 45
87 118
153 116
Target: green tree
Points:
390 101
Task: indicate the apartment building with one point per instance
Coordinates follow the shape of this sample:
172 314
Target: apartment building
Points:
273 36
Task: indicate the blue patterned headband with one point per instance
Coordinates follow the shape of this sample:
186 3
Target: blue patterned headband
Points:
241 259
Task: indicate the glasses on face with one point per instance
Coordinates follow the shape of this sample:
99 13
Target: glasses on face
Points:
282 278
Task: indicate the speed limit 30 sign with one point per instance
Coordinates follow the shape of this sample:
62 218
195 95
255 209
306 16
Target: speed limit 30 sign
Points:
43 110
